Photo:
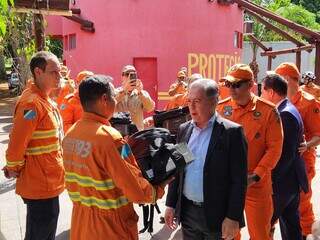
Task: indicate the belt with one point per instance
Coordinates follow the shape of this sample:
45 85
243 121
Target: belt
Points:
194 203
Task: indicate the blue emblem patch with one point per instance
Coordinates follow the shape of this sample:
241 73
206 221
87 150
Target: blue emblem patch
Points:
125 151
29 114
227 111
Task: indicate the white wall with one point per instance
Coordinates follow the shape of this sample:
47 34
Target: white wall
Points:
307 62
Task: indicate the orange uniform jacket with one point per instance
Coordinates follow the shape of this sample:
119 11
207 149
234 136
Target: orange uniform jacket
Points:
263 130
309 110
34 149
177 88
102 180
65 90
71 110
312 89
179 100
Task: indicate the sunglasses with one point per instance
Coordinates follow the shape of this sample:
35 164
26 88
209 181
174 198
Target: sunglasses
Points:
234 85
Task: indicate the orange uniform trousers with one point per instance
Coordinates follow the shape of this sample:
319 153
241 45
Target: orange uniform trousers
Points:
307 217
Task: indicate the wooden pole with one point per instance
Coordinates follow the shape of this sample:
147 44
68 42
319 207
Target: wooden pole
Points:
76 10
259 43
286 51
39 31
298 60
317 64
269 63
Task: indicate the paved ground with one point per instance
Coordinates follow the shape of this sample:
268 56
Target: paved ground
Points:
12 209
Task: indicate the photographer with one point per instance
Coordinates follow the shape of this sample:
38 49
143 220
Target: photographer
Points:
132 98
180 85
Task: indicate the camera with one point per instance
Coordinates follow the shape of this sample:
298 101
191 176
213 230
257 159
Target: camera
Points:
133 76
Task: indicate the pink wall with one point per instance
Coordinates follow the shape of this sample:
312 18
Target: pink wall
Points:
193 33
54 25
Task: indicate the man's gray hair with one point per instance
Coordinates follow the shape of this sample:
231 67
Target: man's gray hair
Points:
209 86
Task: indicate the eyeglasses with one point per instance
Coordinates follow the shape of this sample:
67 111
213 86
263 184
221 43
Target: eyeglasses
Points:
127 73
234 85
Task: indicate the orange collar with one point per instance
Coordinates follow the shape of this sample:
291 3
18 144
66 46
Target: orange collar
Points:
36 90
95 117
251 106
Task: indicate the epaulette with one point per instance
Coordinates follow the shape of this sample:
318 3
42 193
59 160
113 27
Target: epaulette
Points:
225 100
307 96
70 95
266 102
114 133
31 98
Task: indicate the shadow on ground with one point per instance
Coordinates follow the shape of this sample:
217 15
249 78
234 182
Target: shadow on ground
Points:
7 186
6 128
165 233
7 102
64 235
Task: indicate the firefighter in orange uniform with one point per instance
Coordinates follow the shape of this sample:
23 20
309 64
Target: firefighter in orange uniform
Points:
102 177
70 108
180 86
309 111
180 100
263 130
34 154
224 91
66 87
309 85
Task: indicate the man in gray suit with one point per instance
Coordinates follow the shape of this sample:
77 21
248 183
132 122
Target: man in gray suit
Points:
208 196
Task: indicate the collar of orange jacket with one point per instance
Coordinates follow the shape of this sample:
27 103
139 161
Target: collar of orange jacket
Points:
37 90
251 106
95 117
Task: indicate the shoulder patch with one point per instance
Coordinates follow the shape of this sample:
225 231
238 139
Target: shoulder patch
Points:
29 114
227 110
125 151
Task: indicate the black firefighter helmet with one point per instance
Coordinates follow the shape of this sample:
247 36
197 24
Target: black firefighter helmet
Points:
156 155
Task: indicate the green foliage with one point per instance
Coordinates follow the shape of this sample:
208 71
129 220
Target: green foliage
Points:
286 9
4 15
310 5
276 4
299 15
55 46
